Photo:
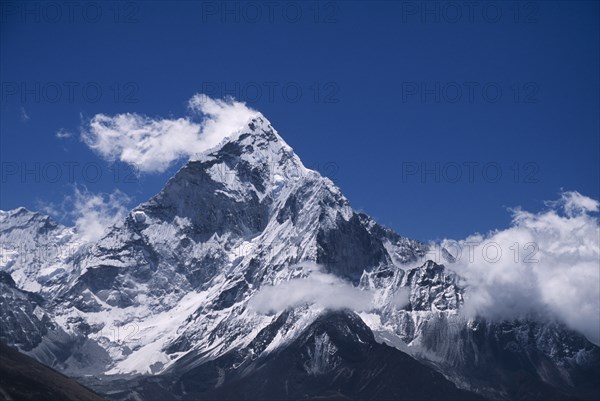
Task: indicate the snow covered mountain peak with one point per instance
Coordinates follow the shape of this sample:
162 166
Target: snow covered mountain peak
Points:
253 162
33 248
257 143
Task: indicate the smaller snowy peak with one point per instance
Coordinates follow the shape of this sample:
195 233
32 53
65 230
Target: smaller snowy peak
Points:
34 223
18 214
33 248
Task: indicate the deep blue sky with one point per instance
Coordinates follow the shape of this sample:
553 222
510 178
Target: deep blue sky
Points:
379 84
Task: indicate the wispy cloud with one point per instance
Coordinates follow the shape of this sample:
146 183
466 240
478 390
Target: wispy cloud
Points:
152 145
318 288
24 116
91 213
63 134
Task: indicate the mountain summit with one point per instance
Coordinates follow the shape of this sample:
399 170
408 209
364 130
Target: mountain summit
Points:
164 305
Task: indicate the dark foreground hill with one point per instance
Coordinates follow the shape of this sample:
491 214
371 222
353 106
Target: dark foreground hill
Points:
23 378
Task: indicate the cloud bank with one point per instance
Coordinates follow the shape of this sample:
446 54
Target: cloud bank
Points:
320 289
152 145
544 263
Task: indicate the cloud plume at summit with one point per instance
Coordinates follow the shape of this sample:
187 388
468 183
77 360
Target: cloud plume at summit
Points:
153 144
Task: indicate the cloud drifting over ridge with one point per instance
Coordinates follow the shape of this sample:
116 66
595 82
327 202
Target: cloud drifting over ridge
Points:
92 213
321 289
546 262
152 145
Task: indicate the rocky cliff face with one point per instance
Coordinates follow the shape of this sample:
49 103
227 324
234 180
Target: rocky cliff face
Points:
162 302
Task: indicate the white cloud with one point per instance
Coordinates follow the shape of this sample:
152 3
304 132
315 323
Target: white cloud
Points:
24 115
401 298
63 134
574 203
91 213
152 145
222 118
321 289
547 262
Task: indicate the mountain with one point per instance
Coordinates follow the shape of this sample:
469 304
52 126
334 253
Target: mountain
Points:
165 305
